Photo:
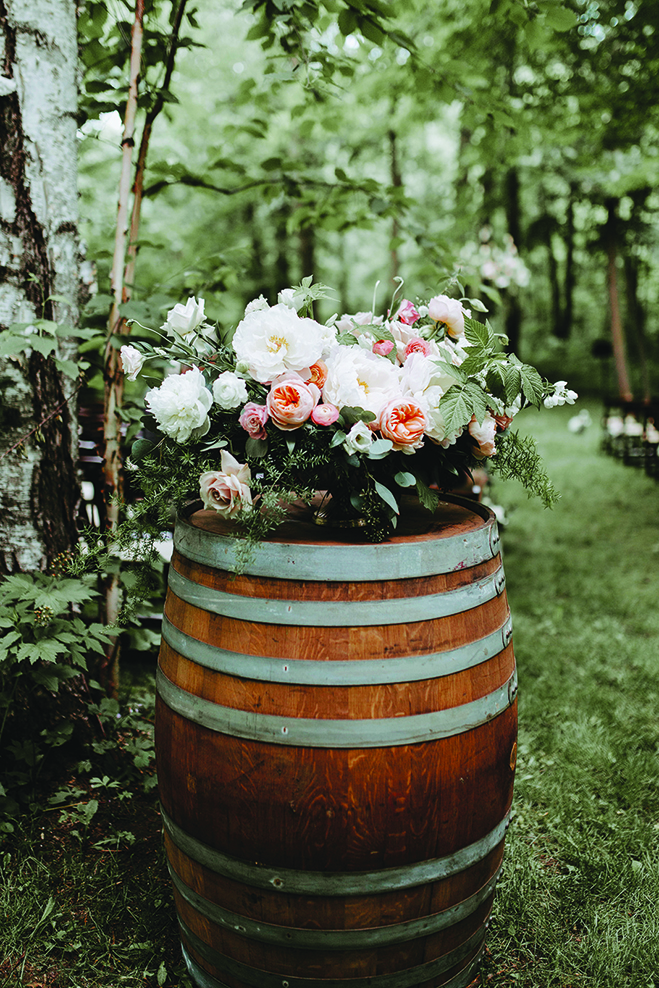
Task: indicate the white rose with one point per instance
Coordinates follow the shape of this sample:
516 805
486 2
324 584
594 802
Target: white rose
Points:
181 404
184 320
360 379
229 391
358 439
131 361
275 340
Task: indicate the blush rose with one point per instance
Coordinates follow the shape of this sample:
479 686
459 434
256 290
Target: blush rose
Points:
226 490
291 401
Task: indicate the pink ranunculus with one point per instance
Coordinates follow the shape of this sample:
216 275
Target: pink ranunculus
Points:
291 401
317 374
325 414
449 311
403 421
417 345
407 313
253 418
226 490
383 347
483 434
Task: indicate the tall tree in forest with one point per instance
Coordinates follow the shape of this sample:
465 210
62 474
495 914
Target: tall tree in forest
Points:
38 280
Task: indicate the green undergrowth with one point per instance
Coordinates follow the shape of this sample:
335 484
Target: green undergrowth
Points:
578 904
84 892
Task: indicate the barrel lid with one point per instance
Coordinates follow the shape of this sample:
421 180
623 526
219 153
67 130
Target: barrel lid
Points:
461 533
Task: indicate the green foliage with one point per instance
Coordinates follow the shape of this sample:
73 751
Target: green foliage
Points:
45 652
518 458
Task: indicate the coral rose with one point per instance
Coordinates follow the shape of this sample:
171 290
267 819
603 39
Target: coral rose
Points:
404 423
317 374
226 490
291 401
383 347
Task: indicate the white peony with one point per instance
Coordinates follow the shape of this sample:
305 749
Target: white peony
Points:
229 391
131 361
185 320
181 404
360 379
275 340
358 439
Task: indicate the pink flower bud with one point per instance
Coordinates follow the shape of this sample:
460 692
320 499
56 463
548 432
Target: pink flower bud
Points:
383 347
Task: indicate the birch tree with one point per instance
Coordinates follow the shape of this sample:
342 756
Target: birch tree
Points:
38 280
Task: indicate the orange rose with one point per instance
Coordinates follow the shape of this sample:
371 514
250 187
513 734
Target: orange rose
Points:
404 423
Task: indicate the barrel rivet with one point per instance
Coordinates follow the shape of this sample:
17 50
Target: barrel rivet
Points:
284 984
284 730
277 882
285 668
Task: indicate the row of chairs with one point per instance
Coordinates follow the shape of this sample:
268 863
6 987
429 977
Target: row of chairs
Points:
630 431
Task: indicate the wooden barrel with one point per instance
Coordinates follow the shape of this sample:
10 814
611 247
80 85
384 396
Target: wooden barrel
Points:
336 737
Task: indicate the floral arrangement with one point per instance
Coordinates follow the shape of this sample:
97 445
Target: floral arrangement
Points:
363 407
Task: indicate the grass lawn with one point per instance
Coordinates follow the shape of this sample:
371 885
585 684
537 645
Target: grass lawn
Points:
86 902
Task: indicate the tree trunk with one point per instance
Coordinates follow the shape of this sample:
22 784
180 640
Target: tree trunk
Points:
636 322
397 183
617 334
38 259
570 280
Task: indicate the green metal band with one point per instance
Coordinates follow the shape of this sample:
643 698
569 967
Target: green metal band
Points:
409 978
307 732
293 881
337 613
337 672
314 939
327 563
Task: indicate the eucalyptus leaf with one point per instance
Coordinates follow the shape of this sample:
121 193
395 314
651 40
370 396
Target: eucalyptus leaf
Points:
405 479
387 496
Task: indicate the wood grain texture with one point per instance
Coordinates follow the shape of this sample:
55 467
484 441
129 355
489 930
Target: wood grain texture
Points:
325 809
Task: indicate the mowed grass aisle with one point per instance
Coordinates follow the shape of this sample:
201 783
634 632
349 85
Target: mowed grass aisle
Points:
579 900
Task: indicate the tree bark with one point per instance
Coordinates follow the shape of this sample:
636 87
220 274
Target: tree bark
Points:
38 259
617 333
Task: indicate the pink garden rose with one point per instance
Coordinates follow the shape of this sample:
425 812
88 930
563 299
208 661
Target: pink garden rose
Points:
483 434
403 421
253 418
417 345
383 347
449 311
226 490
407 313
291 401
325 414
